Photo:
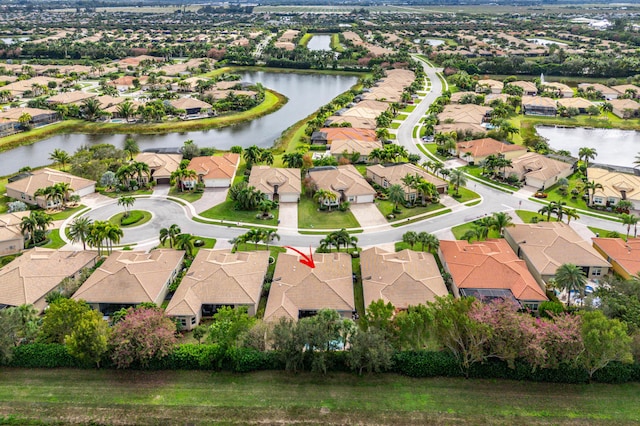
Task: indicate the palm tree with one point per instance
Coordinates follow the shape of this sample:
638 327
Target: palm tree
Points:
396 195
570 277
126 201
266 156
126 110
252 155
410 237
255 236
586 154
180 176
559 208
322 195
629 219
270 235
457 178
606 107
113 234
548 210
28 226
142 170
79 230
91 109
428 241
185 242
170 234
591 187
131 146
125 173
327 242
60 156
293 159
501 220
571 214
427 190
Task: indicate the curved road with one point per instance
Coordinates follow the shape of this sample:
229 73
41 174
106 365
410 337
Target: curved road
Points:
167 213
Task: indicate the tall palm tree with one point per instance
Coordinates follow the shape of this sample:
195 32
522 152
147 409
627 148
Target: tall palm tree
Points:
559 208
266 156
396 195
185 242
126 109
457 179
571 214
255 236
269 235
141 170
63 191
629 219
591 187
427 190
170 234
548 210
91 109
428 241
570 277
131 146
586 154
126 201
322 195
293 159
28 226
410 237
60 156
252 155
112 234
501 220
79 230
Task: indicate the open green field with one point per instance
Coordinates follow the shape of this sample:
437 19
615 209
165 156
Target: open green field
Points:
66 396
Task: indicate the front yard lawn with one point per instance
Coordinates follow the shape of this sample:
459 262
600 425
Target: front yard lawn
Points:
465 194
386 208
188 196
227 211
55 242
310 218
67 212
460 230
476 172
527 216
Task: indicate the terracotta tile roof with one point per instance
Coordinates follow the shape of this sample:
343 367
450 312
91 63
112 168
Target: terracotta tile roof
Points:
489 264
342 178
297 287
131 277
615 182
264 178
488 146
394 173
343 133
215 167
626 254
161 164
404 278
43 178
30 277
548 245
220 277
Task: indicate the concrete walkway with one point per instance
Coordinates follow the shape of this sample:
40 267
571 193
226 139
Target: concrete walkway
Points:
211 197
369 216
288 218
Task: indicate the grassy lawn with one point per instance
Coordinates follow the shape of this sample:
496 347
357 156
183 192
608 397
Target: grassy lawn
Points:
113 194
209 243
64 396
3 199
67 212
310 217
476 172
465 194
395 125
408 108
386 208
431 148
605 233
228 212
527 216
460 230
145 217
574 180
55 242
188 196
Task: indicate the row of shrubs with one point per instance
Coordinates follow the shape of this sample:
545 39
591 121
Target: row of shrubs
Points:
417 364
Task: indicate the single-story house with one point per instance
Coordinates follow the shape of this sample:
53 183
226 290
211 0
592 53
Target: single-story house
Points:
19 88
366 109
502 97
384 94
528 88
29 278
124 83
478 150
624 256
24 188
458 96
489 270
298 291
392 174
489 86
354 122
625 108
344 181
161 166
129 278
476 130
68 98
616 186
11 238
545 246
465 113
215 171
406 278
560 89
39 117
537 170
580 103
340 147
192 106
327 135
605 91
623 89
278 184
218 278
539 105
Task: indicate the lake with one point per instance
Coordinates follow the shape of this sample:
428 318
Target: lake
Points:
306 93
545 42
615 147
320 42
11 40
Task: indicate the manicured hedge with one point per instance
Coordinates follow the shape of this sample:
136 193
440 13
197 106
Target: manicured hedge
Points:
41 355
135 216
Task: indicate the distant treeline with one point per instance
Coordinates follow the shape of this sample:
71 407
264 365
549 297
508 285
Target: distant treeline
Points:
216 10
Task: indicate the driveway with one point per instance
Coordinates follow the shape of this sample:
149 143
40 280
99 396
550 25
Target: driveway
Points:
288 217
95 199
369 216
211 197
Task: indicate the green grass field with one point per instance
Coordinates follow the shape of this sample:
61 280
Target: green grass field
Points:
55 242
310 218
66 396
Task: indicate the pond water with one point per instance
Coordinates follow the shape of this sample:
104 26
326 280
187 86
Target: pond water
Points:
545 42
430 41
320 42
615 147
11 40
306 93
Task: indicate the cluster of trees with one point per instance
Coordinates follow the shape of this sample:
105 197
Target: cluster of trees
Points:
256 236
338 239
99 234
480 228
247 197
34 227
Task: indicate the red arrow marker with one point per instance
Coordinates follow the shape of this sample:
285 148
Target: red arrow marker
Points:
306 260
